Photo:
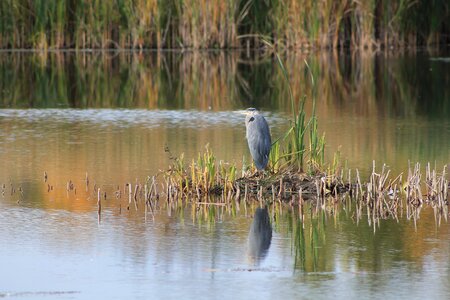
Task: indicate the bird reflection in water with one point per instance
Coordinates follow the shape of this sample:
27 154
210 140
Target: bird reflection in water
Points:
260 236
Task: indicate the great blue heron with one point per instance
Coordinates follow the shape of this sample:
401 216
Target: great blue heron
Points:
258 137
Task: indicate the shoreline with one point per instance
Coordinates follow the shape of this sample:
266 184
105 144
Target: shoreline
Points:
253 51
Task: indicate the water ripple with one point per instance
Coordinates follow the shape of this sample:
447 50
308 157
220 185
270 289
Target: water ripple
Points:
132 117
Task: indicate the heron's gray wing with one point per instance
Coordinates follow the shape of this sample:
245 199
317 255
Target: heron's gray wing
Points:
265 136
259 142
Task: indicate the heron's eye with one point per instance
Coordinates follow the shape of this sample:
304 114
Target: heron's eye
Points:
251 119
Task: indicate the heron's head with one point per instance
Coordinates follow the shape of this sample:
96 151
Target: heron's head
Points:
250 110
250 114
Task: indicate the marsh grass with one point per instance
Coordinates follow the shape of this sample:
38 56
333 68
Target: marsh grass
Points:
292 24
203 176
381 196
294 152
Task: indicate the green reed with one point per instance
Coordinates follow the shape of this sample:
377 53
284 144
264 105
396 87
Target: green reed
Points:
316 142
295 149
203 176
274 157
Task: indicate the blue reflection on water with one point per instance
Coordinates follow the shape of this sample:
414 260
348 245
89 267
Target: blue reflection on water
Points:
131 117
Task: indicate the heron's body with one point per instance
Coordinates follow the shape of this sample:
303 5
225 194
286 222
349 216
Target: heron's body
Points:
258 138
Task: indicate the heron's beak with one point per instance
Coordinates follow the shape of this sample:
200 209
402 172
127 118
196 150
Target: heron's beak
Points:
242 112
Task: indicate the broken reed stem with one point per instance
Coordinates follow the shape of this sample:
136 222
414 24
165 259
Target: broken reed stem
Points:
129 195
238 193
136 189
280 191
246 194
99 202
211 203
273 193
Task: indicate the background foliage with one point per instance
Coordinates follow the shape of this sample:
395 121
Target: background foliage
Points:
54 24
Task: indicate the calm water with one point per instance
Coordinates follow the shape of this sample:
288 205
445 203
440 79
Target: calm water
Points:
120 117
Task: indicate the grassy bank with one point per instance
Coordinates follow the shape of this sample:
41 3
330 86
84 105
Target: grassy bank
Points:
302 24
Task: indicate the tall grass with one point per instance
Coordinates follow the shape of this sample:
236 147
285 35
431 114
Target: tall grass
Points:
208 24
53 24
204 176
295 148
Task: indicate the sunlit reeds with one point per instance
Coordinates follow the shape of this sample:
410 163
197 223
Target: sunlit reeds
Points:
138 24
204 176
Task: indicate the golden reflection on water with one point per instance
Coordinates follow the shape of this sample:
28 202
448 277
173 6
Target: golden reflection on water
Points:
110 154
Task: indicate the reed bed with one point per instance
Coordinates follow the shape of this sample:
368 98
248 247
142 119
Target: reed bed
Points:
381 193
290 24
210 186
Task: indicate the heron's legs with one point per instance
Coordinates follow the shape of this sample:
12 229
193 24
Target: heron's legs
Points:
259 174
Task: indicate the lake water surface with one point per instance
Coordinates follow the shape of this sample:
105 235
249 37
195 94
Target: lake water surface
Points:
120 117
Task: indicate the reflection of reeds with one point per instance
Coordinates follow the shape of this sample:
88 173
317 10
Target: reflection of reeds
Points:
307 237
221 81
205 81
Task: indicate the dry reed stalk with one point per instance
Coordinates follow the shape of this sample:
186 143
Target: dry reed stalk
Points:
211 203
129 194
135 194
99 202
238 192
273 193
246 193
359 191
414 193
280 191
